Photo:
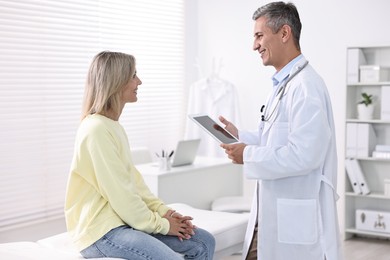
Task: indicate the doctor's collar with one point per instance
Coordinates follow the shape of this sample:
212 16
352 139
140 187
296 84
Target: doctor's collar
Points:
283 74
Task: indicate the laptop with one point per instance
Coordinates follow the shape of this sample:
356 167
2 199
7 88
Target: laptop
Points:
185 152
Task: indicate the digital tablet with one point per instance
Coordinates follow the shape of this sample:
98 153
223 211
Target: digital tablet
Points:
214 129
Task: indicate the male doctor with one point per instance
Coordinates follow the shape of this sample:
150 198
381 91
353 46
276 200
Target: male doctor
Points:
292 155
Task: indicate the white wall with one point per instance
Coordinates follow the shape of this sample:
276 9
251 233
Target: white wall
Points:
34 232
225 31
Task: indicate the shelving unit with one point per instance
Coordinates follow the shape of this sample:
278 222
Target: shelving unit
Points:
376 170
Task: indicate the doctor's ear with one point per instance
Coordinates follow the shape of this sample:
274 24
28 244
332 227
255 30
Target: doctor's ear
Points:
286 32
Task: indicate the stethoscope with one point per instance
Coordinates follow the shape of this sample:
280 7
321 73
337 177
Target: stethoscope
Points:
281 92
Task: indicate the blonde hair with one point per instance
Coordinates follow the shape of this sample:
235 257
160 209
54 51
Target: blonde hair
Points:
108 73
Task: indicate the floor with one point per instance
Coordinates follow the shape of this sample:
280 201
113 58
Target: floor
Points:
366 249
356 249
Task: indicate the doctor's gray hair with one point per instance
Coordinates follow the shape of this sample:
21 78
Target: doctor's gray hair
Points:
279 14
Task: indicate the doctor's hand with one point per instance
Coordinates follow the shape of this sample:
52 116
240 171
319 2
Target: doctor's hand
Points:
235 152
229 126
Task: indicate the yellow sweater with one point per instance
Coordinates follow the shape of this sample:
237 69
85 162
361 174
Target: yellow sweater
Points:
104 189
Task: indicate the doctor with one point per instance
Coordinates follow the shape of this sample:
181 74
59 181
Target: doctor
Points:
293 153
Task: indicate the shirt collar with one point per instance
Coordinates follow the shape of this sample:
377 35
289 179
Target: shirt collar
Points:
281 75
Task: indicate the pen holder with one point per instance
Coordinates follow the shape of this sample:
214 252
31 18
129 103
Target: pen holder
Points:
165 163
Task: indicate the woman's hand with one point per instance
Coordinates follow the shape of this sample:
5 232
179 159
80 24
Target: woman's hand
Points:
180 226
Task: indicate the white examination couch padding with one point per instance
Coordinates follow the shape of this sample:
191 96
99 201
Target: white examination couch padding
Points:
227 228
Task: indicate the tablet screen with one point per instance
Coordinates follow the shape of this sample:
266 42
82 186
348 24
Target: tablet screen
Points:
217 131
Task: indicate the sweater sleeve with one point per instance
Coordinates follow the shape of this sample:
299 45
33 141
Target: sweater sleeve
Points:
121 185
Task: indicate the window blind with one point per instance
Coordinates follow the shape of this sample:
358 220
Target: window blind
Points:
46 47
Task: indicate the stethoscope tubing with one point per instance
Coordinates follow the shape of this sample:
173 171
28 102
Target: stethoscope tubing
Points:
281 93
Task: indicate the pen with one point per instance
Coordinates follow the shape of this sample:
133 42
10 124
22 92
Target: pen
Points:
170 154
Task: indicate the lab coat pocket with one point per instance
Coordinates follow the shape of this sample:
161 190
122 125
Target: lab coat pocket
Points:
297 221
278 134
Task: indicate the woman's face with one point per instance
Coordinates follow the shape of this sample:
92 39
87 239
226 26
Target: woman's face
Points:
129 93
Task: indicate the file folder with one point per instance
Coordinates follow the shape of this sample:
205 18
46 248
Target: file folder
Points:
352 176
360 177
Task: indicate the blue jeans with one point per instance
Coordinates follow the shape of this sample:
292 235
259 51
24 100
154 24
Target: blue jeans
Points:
128 243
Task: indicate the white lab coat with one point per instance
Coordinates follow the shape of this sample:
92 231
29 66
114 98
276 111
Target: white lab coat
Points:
293 157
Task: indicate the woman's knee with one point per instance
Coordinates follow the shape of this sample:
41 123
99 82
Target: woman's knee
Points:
206 241
207 236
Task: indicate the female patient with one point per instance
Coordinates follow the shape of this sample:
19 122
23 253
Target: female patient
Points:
110 212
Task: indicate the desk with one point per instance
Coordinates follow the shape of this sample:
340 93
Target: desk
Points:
196 185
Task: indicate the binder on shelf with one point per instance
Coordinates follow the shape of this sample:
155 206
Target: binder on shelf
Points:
352 176
351 140
385 106
355 58
366 140
361 180
360 140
